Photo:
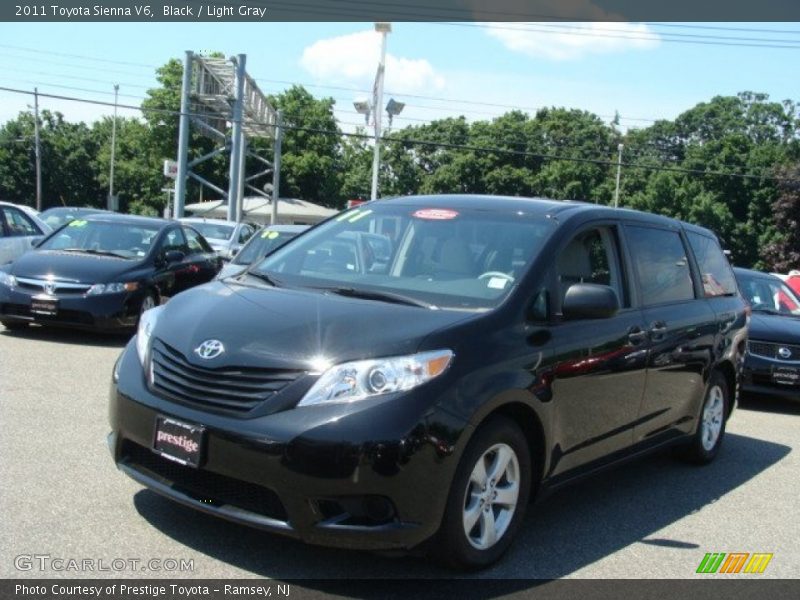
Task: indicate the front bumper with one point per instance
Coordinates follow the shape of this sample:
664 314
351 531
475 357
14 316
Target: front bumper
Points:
370 476
757 378
106 312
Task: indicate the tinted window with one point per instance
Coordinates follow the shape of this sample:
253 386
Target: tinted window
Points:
718 279
659 258
174 240
19 224
591 257
196 243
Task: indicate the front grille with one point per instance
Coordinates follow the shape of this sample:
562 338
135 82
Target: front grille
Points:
229 388
205 486
772 350
51 287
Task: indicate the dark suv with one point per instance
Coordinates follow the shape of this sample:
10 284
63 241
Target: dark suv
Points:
498 346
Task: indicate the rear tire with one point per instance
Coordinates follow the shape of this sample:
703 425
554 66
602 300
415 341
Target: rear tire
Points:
14 325
707 440
487 500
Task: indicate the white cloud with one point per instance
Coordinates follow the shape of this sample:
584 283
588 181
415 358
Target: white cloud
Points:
567 41
353 59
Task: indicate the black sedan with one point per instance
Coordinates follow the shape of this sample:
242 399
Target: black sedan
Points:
102 272
772 360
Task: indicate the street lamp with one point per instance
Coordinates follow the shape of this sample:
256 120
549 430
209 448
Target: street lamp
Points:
363 108
394 108
377 102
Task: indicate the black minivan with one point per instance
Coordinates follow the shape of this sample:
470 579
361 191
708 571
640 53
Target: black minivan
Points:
419 396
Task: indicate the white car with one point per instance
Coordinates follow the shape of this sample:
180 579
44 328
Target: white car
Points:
225 237
264 242
20 228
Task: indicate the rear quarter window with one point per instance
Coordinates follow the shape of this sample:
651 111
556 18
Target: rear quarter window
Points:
718 278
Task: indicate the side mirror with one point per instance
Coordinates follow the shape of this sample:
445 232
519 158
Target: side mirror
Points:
35 241
174 256
589 301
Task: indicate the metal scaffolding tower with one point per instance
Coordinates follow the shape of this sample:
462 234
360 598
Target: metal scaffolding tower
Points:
225 104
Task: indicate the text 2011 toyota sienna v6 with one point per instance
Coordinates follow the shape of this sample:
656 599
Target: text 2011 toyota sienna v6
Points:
417 396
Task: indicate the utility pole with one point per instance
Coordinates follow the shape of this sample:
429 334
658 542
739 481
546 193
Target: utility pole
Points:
619 172
276 167
183 137
112 205
377 105
37 149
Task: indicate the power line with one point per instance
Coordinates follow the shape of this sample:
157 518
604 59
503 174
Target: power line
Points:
429 143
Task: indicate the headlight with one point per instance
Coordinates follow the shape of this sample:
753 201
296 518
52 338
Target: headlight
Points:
111 288
361 379
7 279
147 323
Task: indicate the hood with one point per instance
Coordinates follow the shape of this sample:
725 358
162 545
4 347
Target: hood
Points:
287 328
72 266
783 329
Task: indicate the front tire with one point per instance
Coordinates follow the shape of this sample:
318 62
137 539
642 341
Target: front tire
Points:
14 325
707 440
149 301
488 498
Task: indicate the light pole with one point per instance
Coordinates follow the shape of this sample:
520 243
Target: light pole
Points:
377 102
37 150
619 172
111 199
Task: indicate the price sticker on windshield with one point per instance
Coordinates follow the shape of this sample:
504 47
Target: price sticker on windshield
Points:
435 214
78 223
270 235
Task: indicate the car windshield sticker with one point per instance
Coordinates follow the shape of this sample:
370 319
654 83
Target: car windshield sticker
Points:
78 223
270 235
435 214
497 283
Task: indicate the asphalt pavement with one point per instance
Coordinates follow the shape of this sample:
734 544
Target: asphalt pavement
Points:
62 498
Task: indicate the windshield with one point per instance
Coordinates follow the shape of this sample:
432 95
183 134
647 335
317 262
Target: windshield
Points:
446 258
56 217
217 231
769 295
102 237
262 244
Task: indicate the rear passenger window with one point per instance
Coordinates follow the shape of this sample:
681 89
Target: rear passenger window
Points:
659 258
718 279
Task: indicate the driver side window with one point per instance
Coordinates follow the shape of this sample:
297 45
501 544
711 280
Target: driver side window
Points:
174 241
592 256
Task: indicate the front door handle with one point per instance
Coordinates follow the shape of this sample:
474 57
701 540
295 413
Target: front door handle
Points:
658 330
636 335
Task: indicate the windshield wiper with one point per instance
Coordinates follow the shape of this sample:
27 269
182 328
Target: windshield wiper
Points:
93 251
380 296
263 277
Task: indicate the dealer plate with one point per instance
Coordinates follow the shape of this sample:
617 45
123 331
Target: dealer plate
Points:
178 441
786 375
44 306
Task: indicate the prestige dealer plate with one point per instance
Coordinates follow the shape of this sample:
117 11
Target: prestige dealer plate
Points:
178 441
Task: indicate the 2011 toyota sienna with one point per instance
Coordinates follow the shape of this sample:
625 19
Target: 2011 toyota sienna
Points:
420 396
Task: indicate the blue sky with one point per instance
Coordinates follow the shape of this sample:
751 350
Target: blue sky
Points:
629 68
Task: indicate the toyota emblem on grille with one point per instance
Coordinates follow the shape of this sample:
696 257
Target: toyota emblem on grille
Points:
784 352
209 349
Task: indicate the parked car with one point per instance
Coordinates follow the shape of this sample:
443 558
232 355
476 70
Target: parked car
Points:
58 215
20 229
262 243
425 397
225 237
772 361
103 272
